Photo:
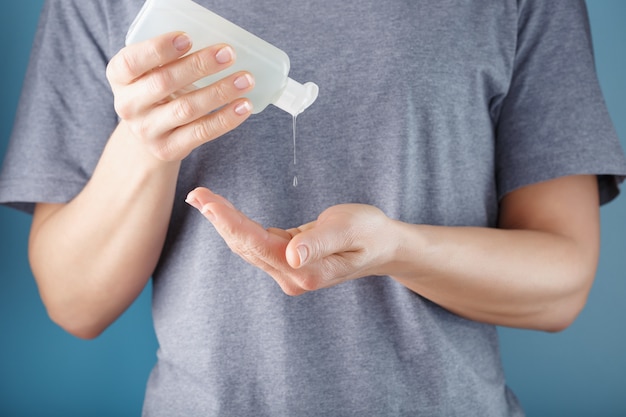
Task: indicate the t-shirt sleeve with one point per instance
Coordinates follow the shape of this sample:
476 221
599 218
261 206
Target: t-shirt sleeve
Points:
66 112
554 121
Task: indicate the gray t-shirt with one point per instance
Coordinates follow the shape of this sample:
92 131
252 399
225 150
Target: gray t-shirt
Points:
429 110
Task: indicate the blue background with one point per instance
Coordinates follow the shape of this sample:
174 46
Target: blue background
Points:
46 372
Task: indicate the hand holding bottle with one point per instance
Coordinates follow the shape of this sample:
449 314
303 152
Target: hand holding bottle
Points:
269 64
155 96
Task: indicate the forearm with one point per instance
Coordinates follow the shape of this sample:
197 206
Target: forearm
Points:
534 271
93 256
519 278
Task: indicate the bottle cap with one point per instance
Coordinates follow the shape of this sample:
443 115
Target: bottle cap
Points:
297 97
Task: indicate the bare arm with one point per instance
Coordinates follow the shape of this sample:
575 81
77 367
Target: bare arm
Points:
92 257
535 271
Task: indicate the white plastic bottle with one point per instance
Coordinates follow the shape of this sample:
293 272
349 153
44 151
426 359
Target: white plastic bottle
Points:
268 64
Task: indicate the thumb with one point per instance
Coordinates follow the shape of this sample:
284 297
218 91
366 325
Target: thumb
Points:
313 244
298 254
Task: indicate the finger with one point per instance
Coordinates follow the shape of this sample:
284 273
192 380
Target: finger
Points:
186 138
169 80
196 104
244 236
200 196
135 60
229 222
316 243
262 248
284 234
296 230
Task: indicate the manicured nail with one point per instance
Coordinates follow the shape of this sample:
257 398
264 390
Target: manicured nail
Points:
193 202
303 253
225 55
243 108
243 81
182 42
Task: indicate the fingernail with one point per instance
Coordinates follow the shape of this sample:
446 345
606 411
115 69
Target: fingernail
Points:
303 253
243 81
182 42
243 108
193 202
224 55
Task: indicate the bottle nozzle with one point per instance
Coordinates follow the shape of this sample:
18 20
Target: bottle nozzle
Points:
297 97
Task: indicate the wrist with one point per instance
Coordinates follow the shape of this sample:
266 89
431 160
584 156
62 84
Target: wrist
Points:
128 146
407 250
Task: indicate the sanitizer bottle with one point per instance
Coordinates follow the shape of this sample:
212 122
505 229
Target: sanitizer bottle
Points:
268 64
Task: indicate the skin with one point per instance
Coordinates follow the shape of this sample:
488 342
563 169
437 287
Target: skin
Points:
534 271
93 256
